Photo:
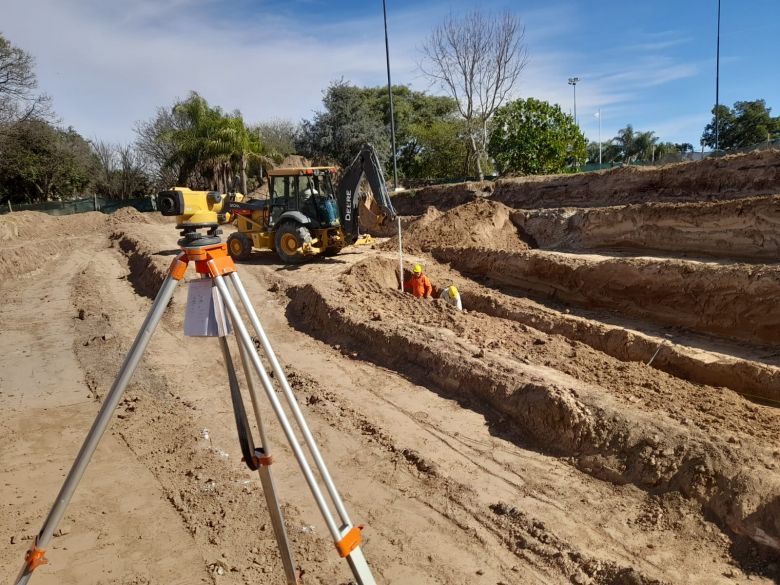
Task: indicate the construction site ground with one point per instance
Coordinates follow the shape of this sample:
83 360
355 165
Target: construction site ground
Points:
524 440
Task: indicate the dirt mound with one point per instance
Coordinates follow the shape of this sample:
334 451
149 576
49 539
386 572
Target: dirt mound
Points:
130 215
34 225
729 177
480 223
24 224
442 197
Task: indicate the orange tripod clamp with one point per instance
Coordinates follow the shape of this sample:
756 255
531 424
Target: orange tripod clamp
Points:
35 557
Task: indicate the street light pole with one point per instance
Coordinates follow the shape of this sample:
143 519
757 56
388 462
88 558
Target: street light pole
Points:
390 96
573 82
717 85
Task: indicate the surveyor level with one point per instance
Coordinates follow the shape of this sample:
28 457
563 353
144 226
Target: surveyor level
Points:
212 261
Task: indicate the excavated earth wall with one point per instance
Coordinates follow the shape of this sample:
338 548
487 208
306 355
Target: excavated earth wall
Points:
742 228
711 179
730 300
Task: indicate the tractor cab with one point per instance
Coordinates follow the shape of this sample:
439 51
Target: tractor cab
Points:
308 191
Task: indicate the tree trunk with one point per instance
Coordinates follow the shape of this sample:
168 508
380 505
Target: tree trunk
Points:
243 174
477 155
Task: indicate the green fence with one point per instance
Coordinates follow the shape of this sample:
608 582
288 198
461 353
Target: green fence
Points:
82 205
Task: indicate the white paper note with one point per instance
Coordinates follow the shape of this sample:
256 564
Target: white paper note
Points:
205 315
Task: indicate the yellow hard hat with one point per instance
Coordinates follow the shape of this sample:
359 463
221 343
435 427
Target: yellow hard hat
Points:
453 292
417 269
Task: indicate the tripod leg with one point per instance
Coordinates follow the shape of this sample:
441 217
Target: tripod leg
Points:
34 556
269 487
346 537
290 397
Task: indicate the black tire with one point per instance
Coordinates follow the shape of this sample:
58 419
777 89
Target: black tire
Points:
332 251
288 239
239 246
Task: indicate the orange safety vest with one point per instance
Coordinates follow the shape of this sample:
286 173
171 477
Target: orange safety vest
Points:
419 286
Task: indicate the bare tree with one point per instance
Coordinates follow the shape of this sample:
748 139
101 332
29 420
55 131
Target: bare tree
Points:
278 135
477 60
131 175
155 149
18 99
106 154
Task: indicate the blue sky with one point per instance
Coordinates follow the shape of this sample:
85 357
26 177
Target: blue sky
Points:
652 64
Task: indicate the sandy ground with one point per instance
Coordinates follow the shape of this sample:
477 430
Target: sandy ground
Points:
525 440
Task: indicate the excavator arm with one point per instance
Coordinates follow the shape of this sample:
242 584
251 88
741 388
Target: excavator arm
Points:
366 164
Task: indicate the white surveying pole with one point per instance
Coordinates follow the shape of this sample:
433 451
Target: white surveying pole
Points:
400 255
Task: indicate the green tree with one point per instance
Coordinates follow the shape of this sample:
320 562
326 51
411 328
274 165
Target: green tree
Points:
435 150
347 121
39 162
630 145
534 137
645 144
353 115
746 124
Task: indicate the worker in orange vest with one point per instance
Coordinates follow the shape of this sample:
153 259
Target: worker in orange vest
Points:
418 284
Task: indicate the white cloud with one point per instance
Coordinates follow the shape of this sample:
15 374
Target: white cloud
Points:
106 69
108 65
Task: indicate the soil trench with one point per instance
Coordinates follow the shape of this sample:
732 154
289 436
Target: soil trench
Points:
728 300
551 408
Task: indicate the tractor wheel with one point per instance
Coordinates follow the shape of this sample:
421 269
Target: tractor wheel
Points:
239 246
332 251
289 239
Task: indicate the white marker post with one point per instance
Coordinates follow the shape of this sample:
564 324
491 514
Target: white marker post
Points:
400 255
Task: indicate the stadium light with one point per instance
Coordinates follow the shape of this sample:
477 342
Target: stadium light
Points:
573 82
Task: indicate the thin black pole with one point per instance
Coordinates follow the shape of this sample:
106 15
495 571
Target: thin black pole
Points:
390 96
717 85
573 82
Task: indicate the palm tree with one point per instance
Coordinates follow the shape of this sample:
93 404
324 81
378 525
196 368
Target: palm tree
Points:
209 143
246 147
644 145
625 142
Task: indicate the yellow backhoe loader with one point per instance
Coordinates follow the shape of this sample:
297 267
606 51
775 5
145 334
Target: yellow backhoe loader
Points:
304 215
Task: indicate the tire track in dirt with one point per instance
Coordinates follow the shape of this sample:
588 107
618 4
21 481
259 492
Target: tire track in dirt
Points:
46 414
